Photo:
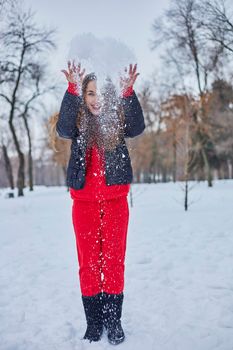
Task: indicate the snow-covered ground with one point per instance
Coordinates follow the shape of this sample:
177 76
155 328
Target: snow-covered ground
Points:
178 282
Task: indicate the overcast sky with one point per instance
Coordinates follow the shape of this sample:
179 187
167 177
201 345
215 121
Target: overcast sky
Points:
129 21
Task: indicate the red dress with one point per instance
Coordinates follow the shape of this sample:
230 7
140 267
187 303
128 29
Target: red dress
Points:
100 217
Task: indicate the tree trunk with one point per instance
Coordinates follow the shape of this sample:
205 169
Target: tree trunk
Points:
21 175
174 160
207 167
186 195
30 160
30 170
8 167
164 175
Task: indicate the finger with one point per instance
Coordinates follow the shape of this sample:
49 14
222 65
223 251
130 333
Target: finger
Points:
79 67
135 77
84 70
74 66
121 82
65 72
134 68
70 70
130 69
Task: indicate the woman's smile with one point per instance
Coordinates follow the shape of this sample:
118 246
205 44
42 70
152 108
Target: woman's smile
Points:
95 108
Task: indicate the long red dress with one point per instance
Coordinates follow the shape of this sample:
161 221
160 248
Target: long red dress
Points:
100 215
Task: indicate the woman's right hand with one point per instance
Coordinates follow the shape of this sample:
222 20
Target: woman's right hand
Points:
74 74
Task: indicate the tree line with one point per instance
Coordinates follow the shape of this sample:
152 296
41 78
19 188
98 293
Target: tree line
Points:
188 104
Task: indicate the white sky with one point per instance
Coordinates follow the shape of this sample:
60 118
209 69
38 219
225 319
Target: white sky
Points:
129 21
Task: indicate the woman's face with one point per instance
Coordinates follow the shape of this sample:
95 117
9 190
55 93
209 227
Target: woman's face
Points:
91 98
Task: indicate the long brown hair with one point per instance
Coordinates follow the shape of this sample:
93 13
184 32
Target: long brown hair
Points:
106 130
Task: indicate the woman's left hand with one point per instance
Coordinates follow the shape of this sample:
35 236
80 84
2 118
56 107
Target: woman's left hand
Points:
130 77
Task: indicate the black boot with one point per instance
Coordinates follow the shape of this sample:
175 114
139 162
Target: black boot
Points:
94 316
112 310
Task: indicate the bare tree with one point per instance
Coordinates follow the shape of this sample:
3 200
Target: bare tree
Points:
150 105
173 117
218 21
25 43
29 107
181 32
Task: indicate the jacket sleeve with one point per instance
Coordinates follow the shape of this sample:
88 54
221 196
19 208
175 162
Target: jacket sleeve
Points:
66 125
134 119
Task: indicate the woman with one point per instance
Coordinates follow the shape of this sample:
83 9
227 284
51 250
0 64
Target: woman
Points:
99 174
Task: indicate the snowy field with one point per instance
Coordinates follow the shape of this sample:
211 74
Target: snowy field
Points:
178 281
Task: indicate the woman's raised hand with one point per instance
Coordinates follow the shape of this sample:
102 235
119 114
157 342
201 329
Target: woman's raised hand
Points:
74 73
130 77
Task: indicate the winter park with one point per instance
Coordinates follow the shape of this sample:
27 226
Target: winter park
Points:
116 175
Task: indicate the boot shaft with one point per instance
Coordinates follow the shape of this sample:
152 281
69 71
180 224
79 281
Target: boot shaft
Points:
112 311
112 308
93 308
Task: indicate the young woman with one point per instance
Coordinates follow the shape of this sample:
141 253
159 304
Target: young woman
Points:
99 174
